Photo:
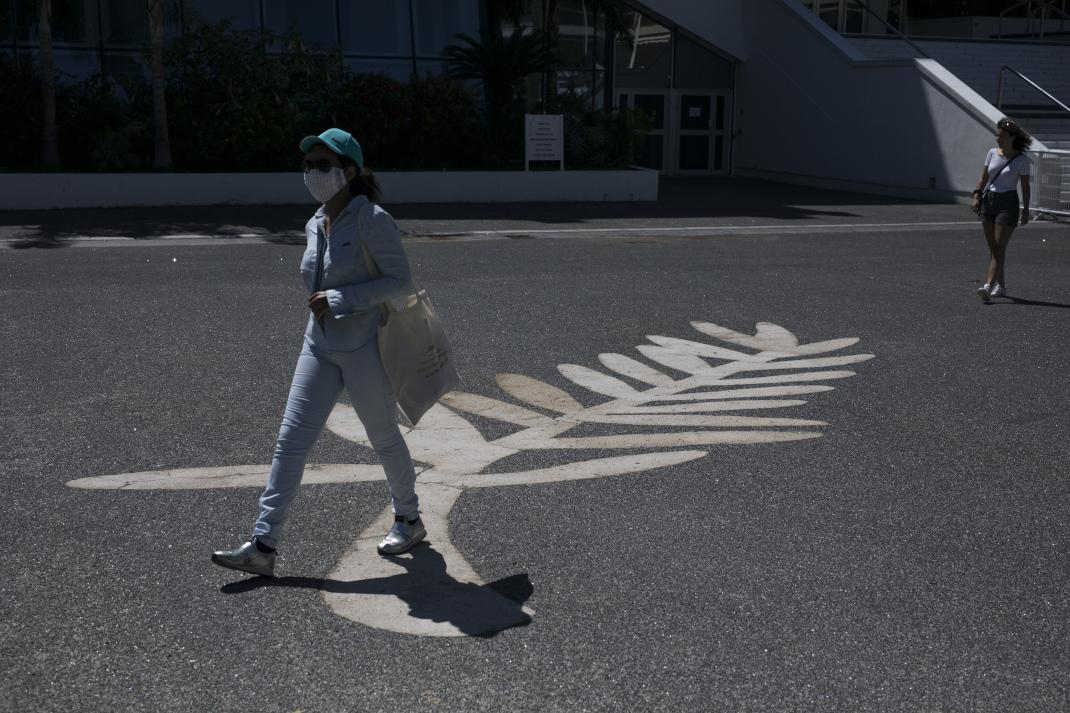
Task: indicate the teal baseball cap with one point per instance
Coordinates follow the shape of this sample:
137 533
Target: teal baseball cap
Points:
341 142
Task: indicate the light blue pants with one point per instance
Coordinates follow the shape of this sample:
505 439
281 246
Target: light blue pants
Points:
318 381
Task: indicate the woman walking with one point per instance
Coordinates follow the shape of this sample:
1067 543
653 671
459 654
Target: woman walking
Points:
340 347
996 200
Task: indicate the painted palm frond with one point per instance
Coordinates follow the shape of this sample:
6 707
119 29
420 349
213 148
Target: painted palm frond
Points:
688 395
670 401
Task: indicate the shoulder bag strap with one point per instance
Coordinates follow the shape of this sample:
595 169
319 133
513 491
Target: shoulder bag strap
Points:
992 180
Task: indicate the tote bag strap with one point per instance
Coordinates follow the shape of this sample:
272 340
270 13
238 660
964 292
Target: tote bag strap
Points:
373 270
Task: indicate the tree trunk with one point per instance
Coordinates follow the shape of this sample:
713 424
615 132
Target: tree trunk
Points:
162 150
49 140
549 75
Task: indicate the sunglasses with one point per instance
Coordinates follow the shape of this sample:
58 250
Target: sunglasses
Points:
323 165
1006 124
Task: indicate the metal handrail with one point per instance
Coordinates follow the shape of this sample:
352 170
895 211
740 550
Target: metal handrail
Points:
892 28
999 88
1043 6
1015 6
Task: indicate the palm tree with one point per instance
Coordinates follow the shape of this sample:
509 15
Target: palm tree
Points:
502 64
162 151
49 140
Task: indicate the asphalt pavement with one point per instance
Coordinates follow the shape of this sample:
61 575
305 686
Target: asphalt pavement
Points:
911 558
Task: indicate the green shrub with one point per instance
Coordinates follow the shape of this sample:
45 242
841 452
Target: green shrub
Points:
102 126
234 106
227 102
374 108
600 139
441 130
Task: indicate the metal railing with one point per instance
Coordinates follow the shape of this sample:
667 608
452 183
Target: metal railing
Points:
999 88
1051 183
893 28
1039 7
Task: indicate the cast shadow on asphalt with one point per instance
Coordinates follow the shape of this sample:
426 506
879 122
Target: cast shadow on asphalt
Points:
718 198
1029 303
425 569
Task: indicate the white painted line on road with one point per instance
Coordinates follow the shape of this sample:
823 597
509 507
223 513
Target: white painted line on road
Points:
775 226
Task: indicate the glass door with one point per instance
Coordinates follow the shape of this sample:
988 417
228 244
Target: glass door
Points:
700 119
654 103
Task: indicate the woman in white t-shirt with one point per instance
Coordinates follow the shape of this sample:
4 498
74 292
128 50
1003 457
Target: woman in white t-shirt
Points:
996 199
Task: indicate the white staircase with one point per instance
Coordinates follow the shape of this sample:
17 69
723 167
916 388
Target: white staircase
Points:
978 62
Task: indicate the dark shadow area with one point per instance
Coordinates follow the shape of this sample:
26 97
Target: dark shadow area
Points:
713 198
1031 303
45 239
677 198
422 587
54 228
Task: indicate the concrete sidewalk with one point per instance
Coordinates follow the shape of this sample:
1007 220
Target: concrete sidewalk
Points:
685 204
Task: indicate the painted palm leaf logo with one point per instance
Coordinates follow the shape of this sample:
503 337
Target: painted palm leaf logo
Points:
687 395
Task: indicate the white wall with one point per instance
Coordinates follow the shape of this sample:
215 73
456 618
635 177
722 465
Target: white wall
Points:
37 191
812 110
719 22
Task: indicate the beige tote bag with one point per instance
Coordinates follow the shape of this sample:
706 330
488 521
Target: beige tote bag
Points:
415 352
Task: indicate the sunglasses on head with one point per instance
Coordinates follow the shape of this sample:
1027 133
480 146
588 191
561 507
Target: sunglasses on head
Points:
1006 124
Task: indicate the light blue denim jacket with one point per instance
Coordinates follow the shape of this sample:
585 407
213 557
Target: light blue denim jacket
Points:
353 295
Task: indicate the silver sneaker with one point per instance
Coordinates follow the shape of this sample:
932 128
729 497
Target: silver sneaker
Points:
403 536
985 291
247 558
997 290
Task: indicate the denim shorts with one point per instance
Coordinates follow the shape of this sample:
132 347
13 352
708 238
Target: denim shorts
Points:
1000 208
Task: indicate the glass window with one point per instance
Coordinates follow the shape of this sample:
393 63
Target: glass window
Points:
73 21
695 112
25 20
829 11
398 69
694 152
649 153
425 67
576 41
598 91
384 30
125 22
699 68
644 61
437 21
72 66
314 19
577 83
654 106
241 14
127 65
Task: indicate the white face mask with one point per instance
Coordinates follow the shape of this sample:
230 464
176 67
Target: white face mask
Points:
324 186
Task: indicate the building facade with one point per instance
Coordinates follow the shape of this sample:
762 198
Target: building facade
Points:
797 90
638 60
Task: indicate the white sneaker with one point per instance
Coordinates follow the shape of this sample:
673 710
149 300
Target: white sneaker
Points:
985 291
997 290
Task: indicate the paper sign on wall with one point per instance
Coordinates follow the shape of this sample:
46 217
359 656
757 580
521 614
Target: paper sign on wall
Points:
544 138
